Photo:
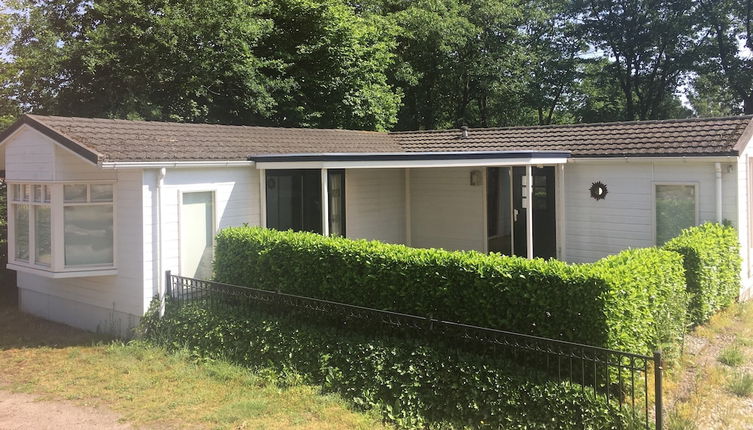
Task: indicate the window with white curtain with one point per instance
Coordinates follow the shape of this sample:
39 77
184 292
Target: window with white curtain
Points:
78 217
88 223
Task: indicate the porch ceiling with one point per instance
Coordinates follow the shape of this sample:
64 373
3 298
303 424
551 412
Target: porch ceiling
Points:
408 159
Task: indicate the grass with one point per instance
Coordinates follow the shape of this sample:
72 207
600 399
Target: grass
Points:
141 382
741 384
711 387
732 356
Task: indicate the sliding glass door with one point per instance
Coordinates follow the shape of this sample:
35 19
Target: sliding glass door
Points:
294 200
507 205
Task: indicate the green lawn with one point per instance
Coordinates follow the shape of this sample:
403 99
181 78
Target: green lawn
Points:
150 387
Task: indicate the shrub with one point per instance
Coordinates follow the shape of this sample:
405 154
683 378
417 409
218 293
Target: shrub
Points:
410 384
633 301
712 267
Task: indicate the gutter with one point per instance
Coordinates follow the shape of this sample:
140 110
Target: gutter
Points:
713 158
171 164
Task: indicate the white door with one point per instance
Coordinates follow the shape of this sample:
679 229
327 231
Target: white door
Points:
197 234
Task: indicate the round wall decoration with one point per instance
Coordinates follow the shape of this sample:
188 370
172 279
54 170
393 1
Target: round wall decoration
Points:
598 190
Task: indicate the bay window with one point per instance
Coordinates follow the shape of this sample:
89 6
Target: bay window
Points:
64 228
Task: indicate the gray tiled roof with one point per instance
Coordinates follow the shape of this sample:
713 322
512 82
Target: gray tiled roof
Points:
122 140
711 136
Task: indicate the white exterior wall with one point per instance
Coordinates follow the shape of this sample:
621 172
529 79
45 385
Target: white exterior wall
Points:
375 204
625 219
446 210
744 184
100 303
30 155
236 202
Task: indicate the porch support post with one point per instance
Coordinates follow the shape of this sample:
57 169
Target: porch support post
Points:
529 212
408 214
325 202
263 198
560 209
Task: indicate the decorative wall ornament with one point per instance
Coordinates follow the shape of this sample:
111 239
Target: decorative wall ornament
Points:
598 190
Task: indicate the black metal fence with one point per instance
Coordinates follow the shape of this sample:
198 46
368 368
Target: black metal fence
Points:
626 380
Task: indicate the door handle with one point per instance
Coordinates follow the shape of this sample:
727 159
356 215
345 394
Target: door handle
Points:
515 215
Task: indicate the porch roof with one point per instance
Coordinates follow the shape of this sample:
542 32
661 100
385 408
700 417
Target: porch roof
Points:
409 159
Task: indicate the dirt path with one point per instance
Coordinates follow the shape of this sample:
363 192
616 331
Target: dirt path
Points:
25 411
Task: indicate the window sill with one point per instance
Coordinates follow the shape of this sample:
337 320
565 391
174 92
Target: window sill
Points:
82 273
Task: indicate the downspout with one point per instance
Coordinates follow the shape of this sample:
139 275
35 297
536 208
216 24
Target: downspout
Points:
160 276
718 174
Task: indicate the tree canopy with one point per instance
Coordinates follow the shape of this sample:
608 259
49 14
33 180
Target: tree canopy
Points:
376 64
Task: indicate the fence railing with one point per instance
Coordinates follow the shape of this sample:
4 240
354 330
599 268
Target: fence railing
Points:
626 380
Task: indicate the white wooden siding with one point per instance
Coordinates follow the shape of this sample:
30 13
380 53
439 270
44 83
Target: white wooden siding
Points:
446 210
30 155
744 186
375 204
236 193
625 219
103 303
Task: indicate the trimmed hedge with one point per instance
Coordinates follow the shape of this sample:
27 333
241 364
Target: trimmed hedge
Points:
712 267
411 385
633 301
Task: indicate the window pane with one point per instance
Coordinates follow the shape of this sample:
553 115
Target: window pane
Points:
101 193
25 191
47 194
42 235
21 218
75 193
37 193
88 235
16 193
336 182
675 210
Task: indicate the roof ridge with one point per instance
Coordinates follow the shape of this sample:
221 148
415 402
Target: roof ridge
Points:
580 125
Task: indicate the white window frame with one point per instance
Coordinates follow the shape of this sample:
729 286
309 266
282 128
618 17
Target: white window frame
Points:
696 191
57 268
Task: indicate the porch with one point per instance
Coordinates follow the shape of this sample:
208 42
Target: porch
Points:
457 201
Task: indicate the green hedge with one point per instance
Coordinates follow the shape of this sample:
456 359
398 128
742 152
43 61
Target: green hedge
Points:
712 267
411 385
634 301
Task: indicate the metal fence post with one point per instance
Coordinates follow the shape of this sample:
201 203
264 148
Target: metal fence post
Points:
168 283
659 404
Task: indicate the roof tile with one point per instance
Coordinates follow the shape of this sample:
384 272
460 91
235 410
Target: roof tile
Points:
123 140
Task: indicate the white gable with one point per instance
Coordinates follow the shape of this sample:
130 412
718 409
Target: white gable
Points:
32 156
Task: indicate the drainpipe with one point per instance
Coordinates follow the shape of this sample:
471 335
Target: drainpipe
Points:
718 174
160 276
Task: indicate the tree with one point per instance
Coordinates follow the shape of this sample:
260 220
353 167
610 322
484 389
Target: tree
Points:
730 24
332 65
554 49
651 44
229 61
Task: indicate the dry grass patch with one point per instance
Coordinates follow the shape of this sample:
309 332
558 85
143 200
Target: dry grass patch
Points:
702 389
151 387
